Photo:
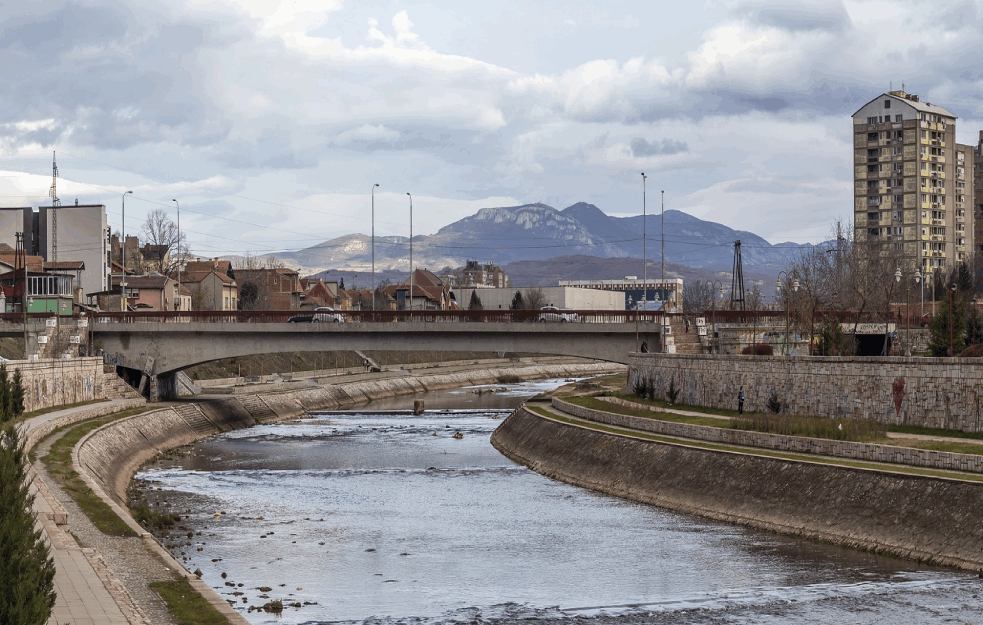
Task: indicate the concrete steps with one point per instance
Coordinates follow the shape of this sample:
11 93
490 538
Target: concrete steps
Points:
258 408
686 342
195 418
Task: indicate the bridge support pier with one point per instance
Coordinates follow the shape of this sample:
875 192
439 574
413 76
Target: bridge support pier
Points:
160 387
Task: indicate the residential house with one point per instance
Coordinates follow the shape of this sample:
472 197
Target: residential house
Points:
274 288
428 293
211 290
152 292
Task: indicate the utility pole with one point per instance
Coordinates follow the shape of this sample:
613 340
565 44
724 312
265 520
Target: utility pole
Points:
55 202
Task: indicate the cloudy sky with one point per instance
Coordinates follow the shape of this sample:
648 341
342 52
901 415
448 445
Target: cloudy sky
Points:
270 122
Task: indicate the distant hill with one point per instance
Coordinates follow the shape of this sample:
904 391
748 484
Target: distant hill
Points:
537 232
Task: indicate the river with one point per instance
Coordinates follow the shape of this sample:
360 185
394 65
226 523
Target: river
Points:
375 515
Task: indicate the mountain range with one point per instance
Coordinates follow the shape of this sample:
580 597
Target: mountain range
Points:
532 232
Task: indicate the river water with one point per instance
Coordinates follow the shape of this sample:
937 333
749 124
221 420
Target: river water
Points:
377 516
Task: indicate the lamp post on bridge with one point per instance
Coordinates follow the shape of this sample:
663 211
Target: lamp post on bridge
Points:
373 245
411 250
123 256
714 285
788 300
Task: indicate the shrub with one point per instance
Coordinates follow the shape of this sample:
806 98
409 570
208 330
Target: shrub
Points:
672 393
973 351
774 405
758 349
27 571
641 387
149 518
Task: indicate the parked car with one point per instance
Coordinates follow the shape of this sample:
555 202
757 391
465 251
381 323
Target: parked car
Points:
304 317
326 313
552 313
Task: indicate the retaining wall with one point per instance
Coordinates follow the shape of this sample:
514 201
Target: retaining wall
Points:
915 517
60 381
800 444
930 392
112 453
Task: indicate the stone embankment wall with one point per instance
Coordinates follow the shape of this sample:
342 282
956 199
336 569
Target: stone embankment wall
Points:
112 454
930 392
780 442
914 517
59 382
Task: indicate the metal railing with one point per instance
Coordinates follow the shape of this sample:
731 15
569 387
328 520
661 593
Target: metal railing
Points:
351 316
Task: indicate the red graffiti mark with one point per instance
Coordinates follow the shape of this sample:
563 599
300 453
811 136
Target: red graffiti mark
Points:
898 389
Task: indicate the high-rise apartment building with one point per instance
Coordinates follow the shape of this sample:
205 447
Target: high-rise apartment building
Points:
913 185
978 196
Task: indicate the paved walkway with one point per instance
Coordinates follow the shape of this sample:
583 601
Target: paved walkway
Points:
88 592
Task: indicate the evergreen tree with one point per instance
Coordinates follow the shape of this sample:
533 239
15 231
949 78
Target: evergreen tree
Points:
17 394
5 408
517 303
475 303
974 327
27 571
963 279
939 338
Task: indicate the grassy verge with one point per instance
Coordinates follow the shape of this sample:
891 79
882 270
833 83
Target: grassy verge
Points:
59 463
645 413
893 468
814 427
186 605
38 413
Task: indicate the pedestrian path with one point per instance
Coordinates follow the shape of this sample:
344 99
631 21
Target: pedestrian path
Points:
87 593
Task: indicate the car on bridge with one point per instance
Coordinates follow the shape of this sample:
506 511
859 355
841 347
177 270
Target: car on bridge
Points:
552 313
320 314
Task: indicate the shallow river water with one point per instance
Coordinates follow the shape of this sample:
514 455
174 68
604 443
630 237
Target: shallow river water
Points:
378 516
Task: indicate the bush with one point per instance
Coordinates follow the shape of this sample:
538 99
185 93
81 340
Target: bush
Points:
973 351
672 393
147 517
774 405
758 349
27 571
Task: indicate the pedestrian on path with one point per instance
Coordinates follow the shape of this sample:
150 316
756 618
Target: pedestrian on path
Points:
740 401
687 325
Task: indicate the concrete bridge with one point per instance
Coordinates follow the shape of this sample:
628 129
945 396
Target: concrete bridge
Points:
161 345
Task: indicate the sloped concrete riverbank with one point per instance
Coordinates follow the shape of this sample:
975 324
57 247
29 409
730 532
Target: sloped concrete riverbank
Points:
917 517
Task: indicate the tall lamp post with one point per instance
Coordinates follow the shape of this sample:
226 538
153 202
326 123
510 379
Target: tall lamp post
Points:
179 257
123 250
645 264
662 254
952 289
411 250
920 279
788 300
714 285
373 245
907 311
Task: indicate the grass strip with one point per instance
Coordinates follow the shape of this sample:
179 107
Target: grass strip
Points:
967 447
186 605
644 413
58 460
892 468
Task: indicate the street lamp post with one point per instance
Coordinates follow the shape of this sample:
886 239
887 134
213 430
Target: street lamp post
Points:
123 250
645 264
952 289
662 254
411 250
788 301
714 284
920 279
178 303
373 245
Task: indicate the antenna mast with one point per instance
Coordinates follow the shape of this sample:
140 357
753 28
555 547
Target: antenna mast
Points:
53 194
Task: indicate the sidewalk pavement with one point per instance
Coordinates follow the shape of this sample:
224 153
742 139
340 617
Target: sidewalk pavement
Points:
83 582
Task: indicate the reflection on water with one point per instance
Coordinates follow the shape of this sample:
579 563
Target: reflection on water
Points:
383 515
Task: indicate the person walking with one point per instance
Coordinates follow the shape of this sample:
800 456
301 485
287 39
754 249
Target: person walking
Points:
740 401
687 325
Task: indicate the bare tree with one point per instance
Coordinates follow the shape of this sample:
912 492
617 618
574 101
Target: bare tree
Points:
168 248
534 298
248 261
697 297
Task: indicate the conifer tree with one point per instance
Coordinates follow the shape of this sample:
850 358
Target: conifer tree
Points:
517 303
17 395
475 303
27 571
5 412
939 330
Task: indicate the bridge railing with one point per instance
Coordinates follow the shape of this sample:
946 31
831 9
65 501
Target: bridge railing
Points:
373 316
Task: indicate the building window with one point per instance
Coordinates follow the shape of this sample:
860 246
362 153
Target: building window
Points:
897 118
887 104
